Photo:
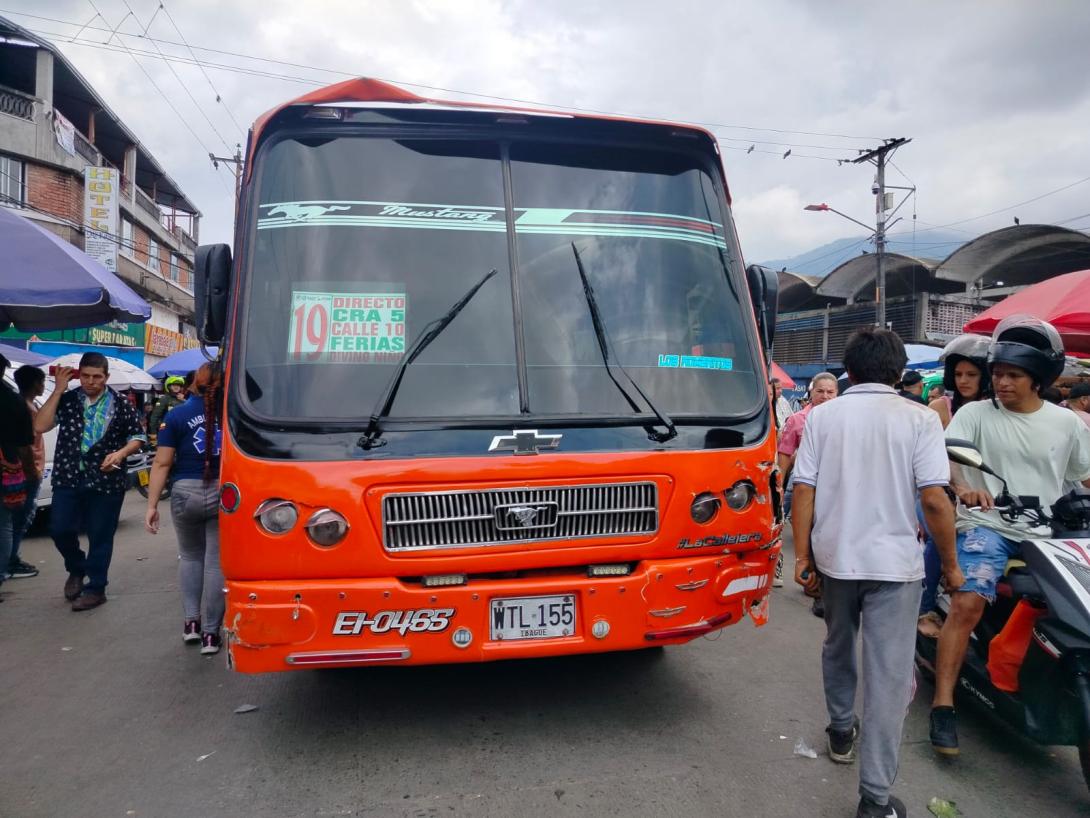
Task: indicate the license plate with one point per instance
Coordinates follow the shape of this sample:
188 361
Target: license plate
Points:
142 476
533 617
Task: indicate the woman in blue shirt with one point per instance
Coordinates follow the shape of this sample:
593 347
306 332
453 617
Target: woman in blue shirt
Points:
188 455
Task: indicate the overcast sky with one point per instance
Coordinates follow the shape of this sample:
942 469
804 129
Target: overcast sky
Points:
995 95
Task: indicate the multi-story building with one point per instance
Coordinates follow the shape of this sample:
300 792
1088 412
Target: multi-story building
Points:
53 126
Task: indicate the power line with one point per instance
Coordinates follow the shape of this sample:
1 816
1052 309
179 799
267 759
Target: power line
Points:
219 97
175 73
522 101
265 74
164 96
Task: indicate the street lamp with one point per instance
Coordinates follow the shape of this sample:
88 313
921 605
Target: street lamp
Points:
880 277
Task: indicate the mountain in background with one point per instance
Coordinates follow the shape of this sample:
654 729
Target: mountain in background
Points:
929 244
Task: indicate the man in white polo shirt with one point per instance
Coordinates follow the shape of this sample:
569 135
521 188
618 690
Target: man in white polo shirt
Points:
862 461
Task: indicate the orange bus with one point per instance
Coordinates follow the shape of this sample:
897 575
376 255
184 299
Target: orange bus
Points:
497 387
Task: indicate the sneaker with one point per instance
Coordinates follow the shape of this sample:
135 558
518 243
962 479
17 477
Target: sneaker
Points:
777 578
191 632
944 731
17 569
869 809
841 743
210 643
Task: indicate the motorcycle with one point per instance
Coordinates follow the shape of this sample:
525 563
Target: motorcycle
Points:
1051 703
138 467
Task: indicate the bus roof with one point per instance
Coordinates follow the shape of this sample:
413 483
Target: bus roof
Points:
365 90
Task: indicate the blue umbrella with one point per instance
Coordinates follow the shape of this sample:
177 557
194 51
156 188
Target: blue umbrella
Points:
181 362
18 356
48 284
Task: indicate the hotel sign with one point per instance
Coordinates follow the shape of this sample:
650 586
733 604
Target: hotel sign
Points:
101 192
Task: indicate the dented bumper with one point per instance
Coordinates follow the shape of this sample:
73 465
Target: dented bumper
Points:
284 624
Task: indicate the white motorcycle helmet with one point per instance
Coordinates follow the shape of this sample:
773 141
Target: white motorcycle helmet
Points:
1030 344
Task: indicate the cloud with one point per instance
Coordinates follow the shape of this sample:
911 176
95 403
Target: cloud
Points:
993 94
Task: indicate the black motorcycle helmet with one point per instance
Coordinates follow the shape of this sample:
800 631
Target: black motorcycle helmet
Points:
1030 344
971 348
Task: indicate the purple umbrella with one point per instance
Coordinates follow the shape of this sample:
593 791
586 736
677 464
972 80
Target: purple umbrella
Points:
48 284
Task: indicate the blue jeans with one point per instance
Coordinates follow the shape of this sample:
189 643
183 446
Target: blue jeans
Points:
24 518
99 512
7 531
932 566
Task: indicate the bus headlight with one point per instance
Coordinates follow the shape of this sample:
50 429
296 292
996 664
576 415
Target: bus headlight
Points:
326 527
277 516
704 507
740 495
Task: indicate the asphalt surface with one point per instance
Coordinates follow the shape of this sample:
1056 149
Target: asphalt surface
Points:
107 713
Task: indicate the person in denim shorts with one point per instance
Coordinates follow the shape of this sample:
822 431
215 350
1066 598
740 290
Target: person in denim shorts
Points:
1036 446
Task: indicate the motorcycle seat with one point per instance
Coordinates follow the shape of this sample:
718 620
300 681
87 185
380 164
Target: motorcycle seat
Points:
1019 580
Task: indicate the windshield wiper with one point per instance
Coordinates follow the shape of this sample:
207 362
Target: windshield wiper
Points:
370 438
603 346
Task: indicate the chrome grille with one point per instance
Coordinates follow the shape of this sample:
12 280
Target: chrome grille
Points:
455 519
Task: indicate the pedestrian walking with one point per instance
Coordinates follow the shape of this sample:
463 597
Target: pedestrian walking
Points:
911 386
97 430
173 397
823 387
31 383
862 461
17 468
1078 401
782 407
188 456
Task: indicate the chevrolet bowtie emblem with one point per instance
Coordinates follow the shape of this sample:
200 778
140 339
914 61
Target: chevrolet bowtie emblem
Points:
524 441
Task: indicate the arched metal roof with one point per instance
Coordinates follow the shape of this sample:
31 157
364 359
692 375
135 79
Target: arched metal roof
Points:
854 279
798 292
1016 256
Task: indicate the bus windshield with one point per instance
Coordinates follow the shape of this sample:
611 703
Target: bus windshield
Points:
361 242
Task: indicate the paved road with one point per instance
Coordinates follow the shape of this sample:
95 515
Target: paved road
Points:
108 714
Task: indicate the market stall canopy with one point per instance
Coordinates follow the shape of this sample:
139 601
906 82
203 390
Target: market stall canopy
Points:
48 284
181 362
123 375
786 381
1063 301
17 356
921 356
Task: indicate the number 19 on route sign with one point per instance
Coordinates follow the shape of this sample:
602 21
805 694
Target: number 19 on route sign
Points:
346 326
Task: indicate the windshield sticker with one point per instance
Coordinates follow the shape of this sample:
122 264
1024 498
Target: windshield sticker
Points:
355 327
535 221
695 362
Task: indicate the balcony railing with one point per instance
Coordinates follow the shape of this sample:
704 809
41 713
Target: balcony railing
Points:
14 103
85 149
145 202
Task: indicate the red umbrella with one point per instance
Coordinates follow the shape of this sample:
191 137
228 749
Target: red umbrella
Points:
1063 301
785 379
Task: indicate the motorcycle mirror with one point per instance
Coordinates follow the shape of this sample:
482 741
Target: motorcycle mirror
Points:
965 453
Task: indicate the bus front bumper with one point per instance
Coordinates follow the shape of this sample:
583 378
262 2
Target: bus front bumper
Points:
287 624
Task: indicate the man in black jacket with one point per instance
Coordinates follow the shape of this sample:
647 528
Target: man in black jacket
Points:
98 430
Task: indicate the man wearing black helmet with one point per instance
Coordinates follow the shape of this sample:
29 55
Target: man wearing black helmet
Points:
1036 446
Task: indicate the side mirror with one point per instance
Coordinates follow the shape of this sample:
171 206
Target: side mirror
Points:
764 292
964 453
211 289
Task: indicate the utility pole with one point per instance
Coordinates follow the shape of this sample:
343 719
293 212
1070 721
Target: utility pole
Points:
236 161
878 157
